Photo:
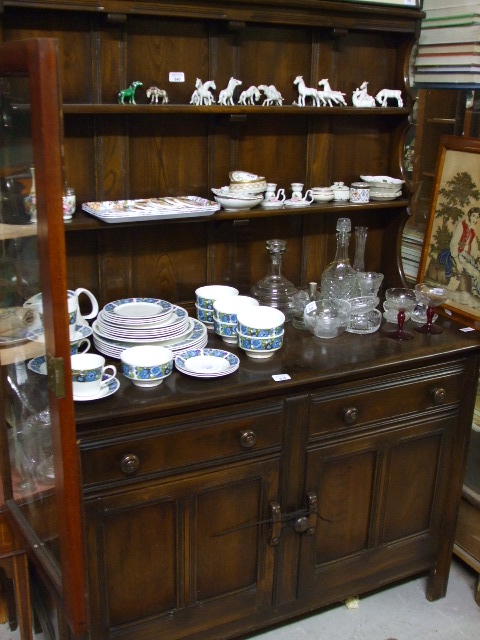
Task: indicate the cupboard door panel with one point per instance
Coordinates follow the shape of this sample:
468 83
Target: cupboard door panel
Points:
196 550
345 484
140 558
379 510
410 491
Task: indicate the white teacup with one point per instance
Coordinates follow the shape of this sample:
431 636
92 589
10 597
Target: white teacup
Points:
89 374
80 346
74 308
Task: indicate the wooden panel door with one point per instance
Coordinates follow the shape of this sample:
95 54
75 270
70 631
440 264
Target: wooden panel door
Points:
380 505
184 556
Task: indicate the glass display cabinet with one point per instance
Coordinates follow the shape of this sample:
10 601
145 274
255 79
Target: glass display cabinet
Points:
38 461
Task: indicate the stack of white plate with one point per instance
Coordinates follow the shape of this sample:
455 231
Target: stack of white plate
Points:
207 363
142 321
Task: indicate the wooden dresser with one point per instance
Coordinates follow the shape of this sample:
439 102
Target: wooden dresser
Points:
213 508
235 503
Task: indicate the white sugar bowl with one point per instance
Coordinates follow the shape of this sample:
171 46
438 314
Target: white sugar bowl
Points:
341 192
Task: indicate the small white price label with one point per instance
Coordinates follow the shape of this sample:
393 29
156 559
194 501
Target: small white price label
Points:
281 377
176 76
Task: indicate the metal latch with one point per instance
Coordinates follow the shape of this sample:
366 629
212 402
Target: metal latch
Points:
55 375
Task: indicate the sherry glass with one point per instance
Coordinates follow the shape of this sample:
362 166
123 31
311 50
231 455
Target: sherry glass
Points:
432 297
403 301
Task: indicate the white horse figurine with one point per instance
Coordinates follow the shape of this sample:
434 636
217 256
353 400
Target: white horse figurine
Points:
202 93
249 96
329 95
360 97
383 96
306 92
272 95
226 95
156 95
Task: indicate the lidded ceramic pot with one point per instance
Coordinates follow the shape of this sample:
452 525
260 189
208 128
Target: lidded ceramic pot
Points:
340 191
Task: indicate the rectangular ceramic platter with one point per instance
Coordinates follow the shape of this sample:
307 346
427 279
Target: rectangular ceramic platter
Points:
113 211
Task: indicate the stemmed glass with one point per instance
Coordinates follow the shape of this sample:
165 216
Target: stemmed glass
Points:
403 301
432 296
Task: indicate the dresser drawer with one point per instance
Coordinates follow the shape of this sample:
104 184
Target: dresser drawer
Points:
383 399
194 440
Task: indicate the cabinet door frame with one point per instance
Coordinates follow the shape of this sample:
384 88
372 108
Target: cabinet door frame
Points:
37 58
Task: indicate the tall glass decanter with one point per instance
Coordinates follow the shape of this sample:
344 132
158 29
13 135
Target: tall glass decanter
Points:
274 290
339 280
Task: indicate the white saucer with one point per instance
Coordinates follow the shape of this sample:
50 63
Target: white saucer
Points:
297 203
206 363
104 392
276 204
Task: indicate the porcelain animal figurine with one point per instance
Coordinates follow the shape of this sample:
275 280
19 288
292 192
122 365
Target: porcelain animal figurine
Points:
272 95
330 96
226 95
156 95
249 96
128 94
384 95
203 93
305 92
360 97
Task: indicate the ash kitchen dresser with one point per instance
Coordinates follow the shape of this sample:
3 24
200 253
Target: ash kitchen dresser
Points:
213 508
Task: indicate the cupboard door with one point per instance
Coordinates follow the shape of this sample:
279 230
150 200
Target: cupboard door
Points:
186 555
379 509
40 475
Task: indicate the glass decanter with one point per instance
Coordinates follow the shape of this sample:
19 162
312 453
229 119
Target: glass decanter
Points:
339 279
274 290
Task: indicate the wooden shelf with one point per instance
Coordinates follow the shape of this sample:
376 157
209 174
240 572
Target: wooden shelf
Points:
214 110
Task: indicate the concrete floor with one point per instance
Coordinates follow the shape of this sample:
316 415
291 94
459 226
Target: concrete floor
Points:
400 612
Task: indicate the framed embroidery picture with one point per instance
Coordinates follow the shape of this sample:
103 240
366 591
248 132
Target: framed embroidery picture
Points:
451 249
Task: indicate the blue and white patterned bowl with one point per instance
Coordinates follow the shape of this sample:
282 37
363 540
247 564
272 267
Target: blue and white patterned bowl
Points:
147 366
262 322
226 309
227 331
204 315
256 347
206 296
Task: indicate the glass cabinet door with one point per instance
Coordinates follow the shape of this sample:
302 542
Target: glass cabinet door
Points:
39 462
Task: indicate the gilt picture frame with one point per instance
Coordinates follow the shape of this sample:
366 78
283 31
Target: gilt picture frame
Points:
451 249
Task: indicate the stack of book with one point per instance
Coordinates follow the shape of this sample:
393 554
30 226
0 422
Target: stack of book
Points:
448 53
412 244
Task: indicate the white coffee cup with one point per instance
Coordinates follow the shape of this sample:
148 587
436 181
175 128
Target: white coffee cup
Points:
74 308
89 374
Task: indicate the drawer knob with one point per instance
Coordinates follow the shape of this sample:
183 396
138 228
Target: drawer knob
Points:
129 463
351 415
248 439
439 395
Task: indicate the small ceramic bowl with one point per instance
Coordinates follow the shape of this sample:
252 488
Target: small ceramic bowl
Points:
261 322
207 295
238 203
256 347
327 317
147 366
204 315
227 331
322 194
226 309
